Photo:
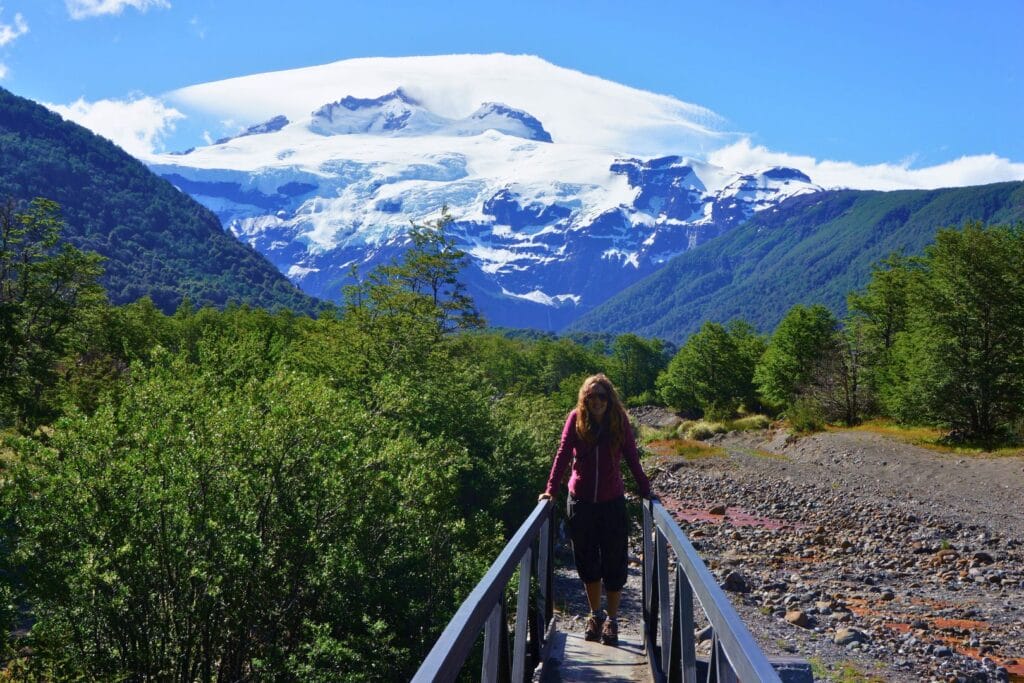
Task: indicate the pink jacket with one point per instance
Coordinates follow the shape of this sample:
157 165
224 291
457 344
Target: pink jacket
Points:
596 473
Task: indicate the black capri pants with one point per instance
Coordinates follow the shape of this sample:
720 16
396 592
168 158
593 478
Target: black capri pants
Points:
599 533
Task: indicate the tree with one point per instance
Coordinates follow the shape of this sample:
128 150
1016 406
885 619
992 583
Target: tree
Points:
803 336
961 359
47 288
636 363
430 269
837 390
712 373
876 316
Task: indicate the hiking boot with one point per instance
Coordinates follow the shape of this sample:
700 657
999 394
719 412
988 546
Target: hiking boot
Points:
610 632
593 630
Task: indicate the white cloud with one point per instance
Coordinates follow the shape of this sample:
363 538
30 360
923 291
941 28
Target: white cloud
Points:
198 28
980 169
11 32
3 71
138 125
83 9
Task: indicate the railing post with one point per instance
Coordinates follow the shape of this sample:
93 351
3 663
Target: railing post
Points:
650 607
688 642
544 597
663 599
726 674
675 673
492 646
522 619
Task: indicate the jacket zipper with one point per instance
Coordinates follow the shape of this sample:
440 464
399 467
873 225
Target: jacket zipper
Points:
597 469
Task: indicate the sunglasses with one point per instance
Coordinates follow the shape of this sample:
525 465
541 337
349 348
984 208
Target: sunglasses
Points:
600 395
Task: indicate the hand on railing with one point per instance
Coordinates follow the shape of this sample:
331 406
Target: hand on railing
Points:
544 496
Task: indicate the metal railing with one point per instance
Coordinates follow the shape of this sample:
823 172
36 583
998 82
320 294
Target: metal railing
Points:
671 649
485 609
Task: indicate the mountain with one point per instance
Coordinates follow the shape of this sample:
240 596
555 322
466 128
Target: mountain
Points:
564 188
158 242
808 249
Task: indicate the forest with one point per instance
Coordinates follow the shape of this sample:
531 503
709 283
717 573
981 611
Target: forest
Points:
236 493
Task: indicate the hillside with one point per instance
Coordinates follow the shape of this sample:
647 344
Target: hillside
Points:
157 240
810 249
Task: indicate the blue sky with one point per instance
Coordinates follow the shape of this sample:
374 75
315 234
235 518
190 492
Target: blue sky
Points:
917 84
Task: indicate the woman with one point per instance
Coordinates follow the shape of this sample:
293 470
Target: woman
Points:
597 435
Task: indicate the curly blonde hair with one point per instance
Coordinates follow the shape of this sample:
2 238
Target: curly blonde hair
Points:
614 416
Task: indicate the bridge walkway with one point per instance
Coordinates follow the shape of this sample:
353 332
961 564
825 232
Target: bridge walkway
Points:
675 583
574 660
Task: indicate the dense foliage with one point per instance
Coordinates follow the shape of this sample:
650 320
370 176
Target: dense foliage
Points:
240 494
157 241
809 249
936 339
958 359
713 373
47 291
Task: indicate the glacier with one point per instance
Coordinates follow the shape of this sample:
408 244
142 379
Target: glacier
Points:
564 188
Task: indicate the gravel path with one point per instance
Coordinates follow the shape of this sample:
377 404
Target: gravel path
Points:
874 559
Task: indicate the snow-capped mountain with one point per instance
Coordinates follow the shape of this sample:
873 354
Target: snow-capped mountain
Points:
565 188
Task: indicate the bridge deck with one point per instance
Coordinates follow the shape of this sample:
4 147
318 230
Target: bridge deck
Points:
573 659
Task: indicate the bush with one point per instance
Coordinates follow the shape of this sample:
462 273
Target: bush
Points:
703 430
805 418
646 398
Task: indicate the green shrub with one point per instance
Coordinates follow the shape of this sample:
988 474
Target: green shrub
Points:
703 430
805 418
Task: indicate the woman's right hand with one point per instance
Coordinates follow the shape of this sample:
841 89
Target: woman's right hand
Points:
544 496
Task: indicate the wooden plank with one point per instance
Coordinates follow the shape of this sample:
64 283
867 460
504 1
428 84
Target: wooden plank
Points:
583 661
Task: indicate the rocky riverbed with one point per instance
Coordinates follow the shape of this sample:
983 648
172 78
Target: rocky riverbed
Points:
873 559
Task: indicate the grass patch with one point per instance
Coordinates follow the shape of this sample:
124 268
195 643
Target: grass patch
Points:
843 672
931 438
693 450
647 434
751 422
700 430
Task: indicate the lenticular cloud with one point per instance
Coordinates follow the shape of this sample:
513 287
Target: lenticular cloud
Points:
576 108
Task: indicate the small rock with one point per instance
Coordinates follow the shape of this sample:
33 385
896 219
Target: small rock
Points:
798 618
717 509
847 635
735 582
982 557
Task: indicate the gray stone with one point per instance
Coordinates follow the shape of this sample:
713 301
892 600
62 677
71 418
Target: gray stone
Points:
846 635
735 582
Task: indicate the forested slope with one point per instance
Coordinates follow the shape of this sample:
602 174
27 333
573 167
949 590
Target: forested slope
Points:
157 240
812 249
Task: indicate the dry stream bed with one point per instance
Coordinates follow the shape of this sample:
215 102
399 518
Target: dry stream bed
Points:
873 559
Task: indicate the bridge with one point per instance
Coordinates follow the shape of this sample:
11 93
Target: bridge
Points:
675 580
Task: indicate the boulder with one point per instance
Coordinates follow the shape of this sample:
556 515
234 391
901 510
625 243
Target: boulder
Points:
847 635
798 617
